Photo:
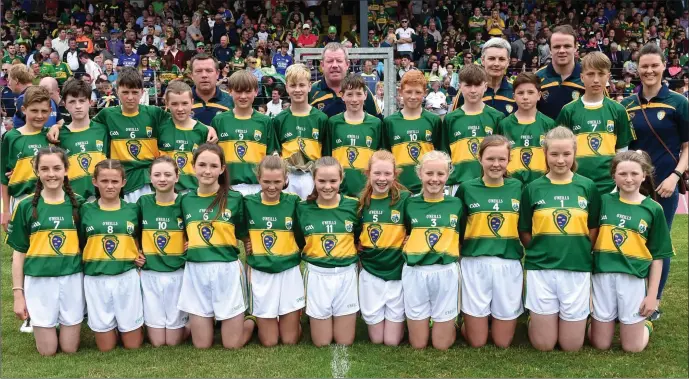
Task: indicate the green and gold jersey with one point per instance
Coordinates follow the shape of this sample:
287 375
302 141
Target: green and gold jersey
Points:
353 144
133 140
179 144
631 236
167 76
211 238
491 215
328 233
84 148
559 215
271 228
462 135
301 135
382 235
527 159
17 155
62 72
50 241
409 139
600 130
433 228
162 233
109 235
245 142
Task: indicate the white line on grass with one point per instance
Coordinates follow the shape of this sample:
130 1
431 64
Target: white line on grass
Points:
340 362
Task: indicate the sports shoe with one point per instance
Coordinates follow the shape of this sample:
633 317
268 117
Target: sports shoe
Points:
655 316
26 326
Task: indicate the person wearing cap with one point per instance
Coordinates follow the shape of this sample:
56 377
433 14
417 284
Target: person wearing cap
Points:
405 38
200 47
306 39
331 36
326 94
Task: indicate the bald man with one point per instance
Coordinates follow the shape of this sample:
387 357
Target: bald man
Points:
52 86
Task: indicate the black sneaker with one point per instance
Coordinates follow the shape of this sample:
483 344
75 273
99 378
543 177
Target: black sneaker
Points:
655 315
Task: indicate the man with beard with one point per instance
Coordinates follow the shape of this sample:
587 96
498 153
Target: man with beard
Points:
495 57
326 94
209 100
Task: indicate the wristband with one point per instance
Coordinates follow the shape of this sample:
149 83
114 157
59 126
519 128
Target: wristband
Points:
679 174
17 288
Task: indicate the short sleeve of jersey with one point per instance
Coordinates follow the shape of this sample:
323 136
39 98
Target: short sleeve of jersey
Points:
242 225
594 202
682 120
659 240
4 157
18 229
526 212
625 132
238 217
563 118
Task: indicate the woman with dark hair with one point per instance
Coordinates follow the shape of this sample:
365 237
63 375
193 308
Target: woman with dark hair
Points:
660 118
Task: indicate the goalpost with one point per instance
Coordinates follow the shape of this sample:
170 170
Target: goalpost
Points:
381 53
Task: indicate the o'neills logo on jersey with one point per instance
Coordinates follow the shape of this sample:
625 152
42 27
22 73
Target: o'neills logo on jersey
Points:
495 222
268 239
526 156
374 232
594 141
328 242
110 244
288 223
352 154
395 216
181 160
206 231
240 149
432 237
134 149
473 144
619 236
84 160
414 150
57 240
162 239
643 226
561 218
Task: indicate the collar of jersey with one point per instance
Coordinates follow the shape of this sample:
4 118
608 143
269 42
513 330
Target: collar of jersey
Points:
576 73
215 98
433 200
662 94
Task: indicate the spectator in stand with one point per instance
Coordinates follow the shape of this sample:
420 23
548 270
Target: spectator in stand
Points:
306 39
370 75
282 60
128 58
71 56
223 52
274 106
331 36
405 38
116 45
110 71
61 43
176 54
90 67
84 43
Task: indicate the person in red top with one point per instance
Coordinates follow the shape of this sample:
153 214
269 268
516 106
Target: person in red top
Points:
306 39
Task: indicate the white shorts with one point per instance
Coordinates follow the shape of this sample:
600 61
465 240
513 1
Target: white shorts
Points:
559 291
431 291
247 189
300 182
451 190
55 300
331 292
134 196
618 296
114 301
213 289
273 295
161 294
492 286
379 299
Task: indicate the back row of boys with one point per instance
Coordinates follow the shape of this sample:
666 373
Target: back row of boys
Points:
135 134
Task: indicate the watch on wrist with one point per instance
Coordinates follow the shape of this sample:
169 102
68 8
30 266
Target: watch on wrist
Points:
679 174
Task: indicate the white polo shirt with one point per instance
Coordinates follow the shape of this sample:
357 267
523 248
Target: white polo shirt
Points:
405 33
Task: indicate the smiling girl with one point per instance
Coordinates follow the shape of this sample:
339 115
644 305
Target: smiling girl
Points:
48 283
492 277
558 221
630 248
382 203
273 256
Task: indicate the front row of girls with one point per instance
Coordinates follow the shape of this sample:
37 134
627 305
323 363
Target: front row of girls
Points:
408 247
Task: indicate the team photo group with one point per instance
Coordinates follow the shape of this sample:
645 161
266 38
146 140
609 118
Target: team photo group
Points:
555 200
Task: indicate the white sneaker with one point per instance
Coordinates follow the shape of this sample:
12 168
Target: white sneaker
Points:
26 326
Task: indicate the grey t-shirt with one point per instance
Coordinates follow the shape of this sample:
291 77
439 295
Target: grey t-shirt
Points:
191 30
